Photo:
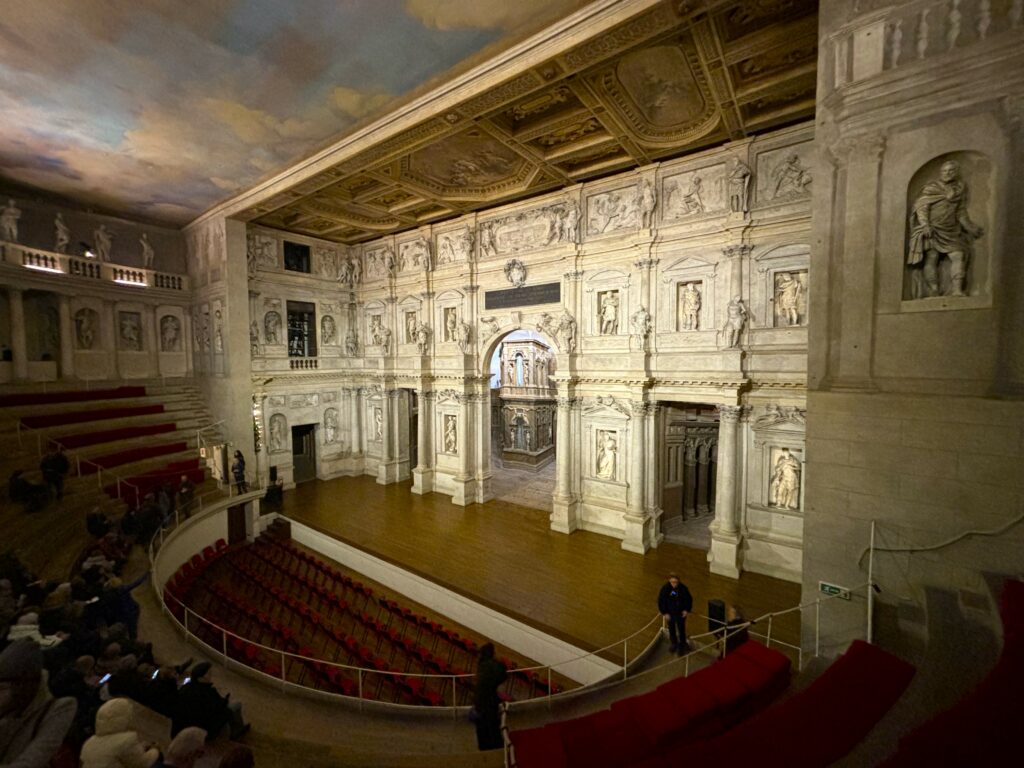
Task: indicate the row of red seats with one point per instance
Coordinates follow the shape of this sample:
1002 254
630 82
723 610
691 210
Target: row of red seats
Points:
409 690
404 618
317 622
179 585
816 726
661 721
978 729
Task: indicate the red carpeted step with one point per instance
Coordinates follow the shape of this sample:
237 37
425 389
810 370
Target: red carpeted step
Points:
134 488
78 417
42 398
83 439
134 454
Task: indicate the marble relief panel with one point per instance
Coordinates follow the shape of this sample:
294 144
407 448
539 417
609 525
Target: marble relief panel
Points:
785 174
695 192
614 210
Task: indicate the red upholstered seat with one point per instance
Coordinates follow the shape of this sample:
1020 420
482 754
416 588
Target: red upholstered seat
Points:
539 747
655 714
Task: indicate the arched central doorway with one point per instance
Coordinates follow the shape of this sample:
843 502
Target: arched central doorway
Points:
523 421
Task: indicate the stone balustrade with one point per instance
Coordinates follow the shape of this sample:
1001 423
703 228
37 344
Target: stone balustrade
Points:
63 265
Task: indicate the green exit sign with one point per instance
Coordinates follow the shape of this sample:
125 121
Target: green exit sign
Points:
833 590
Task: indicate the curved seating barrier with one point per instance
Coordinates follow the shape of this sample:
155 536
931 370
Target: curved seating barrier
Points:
980 728
813 728
674 715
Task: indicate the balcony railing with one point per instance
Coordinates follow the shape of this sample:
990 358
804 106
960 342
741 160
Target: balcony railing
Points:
85 269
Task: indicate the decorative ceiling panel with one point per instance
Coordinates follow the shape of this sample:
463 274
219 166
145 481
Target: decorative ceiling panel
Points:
678 77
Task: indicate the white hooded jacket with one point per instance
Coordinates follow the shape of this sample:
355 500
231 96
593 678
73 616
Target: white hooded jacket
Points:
115 744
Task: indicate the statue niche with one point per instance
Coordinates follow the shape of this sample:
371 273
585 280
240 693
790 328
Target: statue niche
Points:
946 252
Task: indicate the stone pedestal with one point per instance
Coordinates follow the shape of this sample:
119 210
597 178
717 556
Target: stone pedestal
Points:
724 555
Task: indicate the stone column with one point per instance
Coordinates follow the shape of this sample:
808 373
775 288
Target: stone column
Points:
385 437
564 514
19 353
109 337
423 474
67 338
725 540
355 425
151 340
690 477
186 341
463 494
635 536
481 416
652 460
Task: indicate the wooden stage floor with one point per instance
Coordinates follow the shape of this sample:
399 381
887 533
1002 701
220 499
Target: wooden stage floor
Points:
582 588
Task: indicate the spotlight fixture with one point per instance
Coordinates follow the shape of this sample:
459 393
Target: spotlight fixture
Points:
87 250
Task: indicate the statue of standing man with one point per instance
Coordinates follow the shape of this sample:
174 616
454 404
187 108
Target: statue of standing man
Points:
940 227
9 216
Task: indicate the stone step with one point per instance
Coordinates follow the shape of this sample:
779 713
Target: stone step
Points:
71 385
172 412
15 412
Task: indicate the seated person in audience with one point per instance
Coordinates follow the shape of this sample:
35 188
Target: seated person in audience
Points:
26 627
200 704
55 467
116 744
185 749
32 723
109 660
97 524
32 497
161 694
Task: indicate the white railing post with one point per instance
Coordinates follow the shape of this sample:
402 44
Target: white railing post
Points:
186 620
549 687
359 680
686 665
284 674
817 627
224 645
625 658
770 617
871 585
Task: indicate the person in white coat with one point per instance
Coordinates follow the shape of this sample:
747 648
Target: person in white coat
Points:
116 744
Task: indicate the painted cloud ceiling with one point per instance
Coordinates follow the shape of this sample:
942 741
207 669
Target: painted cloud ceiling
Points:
161 108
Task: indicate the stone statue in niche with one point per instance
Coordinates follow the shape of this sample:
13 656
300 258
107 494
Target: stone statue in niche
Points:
62 235
9 216
567 332
510 372
790 302
148 255
648 202
388 260
940 228
607 454
421 334
272 327
784 490
328 330
351 343
689 307
85 328
378 424
170 334
218 332
254 338
451 323
204 331
790 179
738 183
735 319
102 242
515 273
642 326
130 331
278 427
463 338
331 425
410 327
451 435
485 233
609 312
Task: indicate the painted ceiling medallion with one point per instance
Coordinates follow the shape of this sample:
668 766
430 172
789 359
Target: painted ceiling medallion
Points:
472 159
661 84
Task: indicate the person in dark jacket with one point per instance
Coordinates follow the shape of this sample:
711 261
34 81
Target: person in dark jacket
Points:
55 467
674 603
238 471
200 705
490 674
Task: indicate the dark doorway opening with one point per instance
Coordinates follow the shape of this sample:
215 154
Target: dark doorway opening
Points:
304 453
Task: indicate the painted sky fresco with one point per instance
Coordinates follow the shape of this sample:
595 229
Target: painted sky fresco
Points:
161 108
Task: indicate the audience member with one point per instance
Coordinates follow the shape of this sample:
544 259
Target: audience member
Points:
55 467
238 472
490 674
116 743
33 724
735 628
186 492
185 749
674 603
199 704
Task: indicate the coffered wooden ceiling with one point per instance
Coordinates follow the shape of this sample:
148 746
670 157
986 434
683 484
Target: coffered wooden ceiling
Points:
684 75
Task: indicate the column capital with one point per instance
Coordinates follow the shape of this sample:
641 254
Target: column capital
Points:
648 263
737 251
729 413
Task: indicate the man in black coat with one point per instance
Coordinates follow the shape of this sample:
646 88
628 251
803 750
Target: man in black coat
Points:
490 674
200 705
674 603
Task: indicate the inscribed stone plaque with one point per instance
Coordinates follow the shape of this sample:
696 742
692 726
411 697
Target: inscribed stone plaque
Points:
545 293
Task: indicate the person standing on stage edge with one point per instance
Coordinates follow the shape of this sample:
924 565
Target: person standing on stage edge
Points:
490 674
674 603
